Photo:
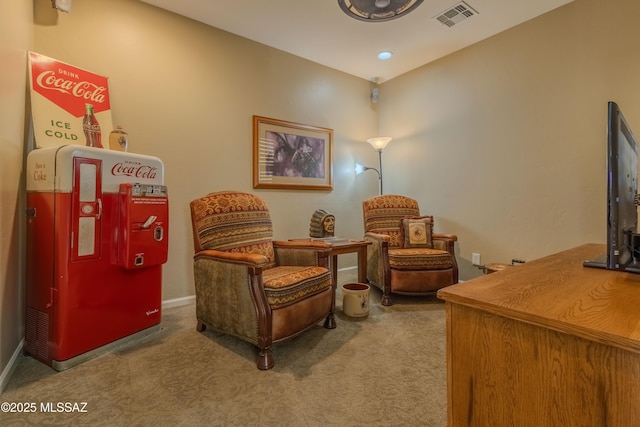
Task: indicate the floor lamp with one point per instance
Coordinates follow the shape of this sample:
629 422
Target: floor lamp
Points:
378 144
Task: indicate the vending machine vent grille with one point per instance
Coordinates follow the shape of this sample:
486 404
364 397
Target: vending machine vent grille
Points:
37 334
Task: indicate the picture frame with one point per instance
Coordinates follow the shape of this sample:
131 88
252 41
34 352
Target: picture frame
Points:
291 156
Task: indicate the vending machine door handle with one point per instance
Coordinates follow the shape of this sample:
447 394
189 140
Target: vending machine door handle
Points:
149 221
99 200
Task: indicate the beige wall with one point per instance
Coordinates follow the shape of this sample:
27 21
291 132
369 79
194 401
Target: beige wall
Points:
186 92
16 35
505 141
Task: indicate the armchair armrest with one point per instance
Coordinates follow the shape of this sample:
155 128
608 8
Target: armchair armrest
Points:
301 252
377 252
444 236
378 271
302 244
227 284
369 235
250 260
445 242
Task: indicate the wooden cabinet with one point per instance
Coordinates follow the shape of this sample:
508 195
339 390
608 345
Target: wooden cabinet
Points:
547 343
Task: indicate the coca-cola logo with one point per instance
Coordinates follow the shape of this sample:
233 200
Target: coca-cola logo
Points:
68 87
134 170
80 89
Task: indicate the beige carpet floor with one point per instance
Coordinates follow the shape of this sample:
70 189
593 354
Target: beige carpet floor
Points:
387 369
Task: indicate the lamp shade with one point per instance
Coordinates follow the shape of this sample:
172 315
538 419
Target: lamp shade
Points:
379 143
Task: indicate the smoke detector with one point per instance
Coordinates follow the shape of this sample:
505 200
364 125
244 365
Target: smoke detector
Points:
456 14
377 10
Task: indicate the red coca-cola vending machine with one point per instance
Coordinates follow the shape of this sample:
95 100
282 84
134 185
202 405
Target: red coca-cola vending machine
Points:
97 236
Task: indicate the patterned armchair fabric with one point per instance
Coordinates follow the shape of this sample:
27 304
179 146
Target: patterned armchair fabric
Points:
234 222
250 286
396 268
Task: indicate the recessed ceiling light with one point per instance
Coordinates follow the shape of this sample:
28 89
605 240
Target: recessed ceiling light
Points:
384 55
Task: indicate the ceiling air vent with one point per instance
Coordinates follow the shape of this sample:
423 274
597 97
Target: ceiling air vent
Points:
456 14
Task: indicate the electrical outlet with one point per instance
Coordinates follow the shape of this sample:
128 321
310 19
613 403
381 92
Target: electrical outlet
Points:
475 258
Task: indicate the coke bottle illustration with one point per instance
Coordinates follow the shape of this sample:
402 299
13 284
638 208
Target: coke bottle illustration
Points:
91 127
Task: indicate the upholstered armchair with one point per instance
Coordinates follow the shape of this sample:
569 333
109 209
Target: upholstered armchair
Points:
249 286
406 256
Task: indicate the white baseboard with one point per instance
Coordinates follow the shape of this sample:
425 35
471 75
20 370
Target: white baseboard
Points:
177 302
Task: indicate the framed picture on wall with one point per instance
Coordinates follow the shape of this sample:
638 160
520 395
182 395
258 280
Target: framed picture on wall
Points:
289 155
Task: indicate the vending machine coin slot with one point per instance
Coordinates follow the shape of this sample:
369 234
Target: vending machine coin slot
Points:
158 234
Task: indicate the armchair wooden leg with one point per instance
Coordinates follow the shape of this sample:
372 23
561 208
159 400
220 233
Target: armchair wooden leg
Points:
330 321
200 326
265 359
386 299
386 291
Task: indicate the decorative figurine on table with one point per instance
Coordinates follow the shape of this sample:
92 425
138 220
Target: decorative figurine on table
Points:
322 224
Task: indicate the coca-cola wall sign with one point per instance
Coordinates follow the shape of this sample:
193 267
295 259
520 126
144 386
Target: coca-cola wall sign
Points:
60 94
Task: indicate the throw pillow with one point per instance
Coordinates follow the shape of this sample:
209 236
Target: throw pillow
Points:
417 232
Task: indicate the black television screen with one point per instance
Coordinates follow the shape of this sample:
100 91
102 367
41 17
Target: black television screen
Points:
622 190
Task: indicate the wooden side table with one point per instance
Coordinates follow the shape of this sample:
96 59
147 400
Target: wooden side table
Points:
494 268
347 246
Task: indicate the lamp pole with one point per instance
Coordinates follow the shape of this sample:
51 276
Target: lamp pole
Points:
380 169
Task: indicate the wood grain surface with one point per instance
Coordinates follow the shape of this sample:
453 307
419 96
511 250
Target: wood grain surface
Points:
547 343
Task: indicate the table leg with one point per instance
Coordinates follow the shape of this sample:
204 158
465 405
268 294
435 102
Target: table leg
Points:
362 264
333 266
